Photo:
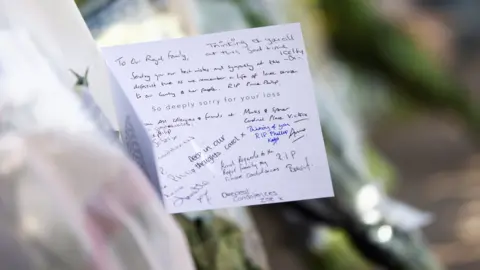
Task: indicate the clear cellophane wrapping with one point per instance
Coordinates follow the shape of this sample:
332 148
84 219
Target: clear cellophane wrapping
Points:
69 197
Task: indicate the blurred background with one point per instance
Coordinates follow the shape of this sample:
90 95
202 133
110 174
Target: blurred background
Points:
398 90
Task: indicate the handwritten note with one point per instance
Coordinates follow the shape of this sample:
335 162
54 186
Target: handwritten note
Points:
231 117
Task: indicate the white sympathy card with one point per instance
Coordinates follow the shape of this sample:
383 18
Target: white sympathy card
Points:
231 117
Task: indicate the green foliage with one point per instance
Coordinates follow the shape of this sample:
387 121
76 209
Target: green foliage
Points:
364 39
216 244
80 3
379 168
338 254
